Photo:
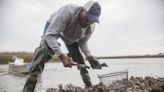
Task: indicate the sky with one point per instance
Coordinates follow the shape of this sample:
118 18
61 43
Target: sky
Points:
127 27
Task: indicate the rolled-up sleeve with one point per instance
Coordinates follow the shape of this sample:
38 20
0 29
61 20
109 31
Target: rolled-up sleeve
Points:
57 25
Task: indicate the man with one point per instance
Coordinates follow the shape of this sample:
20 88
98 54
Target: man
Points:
74 25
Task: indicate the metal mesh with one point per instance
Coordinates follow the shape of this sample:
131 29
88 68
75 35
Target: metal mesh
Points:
108 79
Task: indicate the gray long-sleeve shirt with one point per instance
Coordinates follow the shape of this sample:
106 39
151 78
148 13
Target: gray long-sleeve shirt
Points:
65 24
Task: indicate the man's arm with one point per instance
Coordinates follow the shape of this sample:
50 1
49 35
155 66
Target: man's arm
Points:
57 25
84 47
83 43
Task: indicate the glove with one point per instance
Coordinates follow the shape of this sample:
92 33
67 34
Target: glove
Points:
94 62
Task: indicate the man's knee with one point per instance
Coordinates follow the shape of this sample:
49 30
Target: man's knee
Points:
83 71
34 74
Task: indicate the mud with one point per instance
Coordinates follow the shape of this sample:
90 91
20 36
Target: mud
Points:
134 84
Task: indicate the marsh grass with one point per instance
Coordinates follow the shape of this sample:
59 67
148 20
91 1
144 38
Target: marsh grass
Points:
6 57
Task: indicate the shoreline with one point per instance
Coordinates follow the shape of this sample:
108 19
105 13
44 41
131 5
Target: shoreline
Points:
114 57
51 61
129 57
6 57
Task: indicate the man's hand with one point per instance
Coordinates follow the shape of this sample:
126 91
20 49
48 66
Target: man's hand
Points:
67 61
94 62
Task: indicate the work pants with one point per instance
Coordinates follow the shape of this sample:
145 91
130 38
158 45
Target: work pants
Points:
77 57
42 54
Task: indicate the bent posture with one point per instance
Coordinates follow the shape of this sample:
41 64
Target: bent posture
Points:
74 25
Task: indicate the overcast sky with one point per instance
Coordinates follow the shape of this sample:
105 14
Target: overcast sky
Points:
128 27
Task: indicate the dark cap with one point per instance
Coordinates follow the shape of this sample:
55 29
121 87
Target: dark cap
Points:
94 13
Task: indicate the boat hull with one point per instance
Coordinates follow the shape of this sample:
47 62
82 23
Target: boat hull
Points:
22 69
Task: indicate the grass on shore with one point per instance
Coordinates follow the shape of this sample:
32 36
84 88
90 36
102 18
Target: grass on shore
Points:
6 57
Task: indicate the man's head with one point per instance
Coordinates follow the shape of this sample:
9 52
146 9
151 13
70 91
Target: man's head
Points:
90 13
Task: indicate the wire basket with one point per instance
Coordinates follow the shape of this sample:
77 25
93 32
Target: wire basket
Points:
108 79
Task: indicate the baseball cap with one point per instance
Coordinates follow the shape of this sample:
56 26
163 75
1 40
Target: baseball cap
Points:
94 13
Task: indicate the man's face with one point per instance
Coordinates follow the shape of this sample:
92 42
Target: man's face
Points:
84 22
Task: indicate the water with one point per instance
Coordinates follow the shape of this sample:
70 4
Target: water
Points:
55 74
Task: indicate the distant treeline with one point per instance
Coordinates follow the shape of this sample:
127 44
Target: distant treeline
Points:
6 57
133 56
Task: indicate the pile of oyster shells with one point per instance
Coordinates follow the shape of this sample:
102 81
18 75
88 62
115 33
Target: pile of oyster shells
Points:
134 84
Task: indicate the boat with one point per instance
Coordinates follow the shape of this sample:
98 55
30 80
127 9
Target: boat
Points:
18 66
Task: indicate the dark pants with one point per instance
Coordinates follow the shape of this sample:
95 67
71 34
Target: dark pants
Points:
77 57
42 55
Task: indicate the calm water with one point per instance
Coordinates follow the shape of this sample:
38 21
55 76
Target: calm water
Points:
55 74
